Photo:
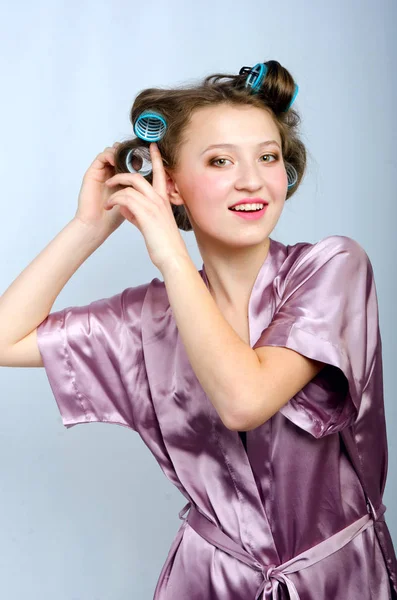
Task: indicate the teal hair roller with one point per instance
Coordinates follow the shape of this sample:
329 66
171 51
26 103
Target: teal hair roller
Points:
255 78
150 126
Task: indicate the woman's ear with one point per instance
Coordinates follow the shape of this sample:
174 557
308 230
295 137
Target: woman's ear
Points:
172 190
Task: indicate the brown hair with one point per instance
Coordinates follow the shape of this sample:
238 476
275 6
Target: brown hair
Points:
178 104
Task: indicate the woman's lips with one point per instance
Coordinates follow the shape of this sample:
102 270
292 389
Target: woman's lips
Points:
250 216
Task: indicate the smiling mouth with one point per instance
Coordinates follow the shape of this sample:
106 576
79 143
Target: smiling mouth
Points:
244 210
250 214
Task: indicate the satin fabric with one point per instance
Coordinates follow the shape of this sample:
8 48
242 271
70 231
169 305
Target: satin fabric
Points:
120 360
273 575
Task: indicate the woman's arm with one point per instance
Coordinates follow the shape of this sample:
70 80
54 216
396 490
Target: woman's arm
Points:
28 300
245 389
222 362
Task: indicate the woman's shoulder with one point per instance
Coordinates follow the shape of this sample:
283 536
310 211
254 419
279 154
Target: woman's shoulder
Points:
324 249
329 243
299 261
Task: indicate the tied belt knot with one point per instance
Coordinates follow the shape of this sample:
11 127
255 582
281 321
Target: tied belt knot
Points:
272 576
276 575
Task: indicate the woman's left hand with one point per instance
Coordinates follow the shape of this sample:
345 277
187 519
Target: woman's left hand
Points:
148 207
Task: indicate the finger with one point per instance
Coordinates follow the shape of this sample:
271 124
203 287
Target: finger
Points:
128 193
110 155
130 200
136 180
110 158
102 160
159 181
108 151
125 208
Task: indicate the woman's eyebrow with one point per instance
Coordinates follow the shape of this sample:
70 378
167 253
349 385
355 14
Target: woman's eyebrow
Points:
267 143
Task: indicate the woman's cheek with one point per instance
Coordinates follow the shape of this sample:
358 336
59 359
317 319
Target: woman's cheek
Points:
216 187
207 191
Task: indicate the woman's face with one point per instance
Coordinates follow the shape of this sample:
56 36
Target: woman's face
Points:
208 181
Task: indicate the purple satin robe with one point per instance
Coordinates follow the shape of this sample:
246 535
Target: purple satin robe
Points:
288 517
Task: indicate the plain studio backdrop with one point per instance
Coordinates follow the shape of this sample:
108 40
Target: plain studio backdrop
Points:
87 513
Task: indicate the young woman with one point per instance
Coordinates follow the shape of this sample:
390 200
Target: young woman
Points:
256 382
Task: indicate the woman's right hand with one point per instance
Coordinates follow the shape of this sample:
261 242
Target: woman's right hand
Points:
94 194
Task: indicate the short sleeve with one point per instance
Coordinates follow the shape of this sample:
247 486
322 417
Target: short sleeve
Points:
328 312
93 358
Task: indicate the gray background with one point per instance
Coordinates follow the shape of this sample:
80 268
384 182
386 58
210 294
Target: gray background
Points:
86 513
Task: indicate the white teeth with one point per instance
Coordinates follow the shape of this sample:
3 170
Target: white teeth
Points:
247 206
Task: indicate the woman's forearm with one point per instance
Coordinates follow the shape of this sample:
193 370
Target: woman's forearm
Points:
221 360
28 300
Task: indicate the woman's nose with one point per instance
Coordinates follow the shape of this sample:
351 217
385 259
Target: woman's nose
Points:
250 178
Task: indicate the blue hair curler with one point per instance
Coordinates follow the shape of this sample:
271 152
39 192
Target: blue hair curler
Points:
255 78
150 126
292 175
293 97
142 159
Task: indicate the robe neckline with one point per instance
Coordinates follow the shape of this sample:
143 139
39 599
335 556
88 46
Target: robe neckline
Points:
259 280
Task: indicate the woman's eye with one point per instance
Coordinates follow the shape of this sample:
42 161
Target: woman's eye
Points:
275 156
216 160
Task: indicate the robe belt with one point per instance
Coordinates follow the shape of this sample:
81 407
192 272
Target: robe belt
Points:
273 575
